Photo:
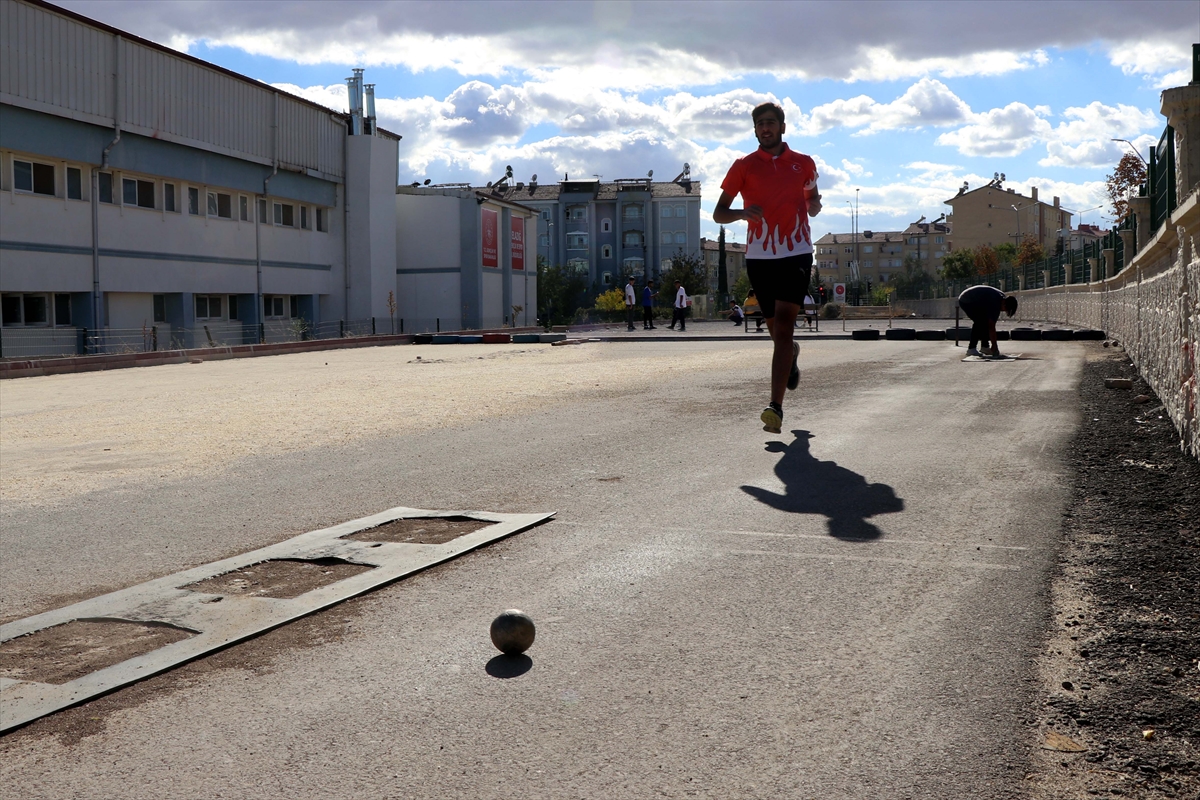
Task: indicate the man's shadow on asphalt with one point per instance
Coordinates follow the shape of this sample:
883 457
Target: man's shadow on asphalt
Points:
822 487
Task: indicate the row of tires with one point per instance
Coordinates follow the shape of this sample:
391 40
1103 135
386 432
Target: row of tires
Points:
964 334
488 338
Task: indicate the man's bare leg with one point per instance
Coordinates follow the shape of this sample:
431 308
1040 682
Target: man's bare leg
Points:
781 327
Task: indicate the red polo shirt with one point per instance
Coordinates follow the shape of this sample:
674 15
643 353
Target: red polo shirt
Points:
777 185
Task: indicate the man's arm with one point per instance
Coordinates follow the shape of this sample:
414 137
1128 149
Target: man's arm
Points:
813 196
723 214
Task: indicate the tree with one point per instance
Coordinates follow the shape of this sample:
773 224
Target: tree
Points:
722 273
559 293
1125 180
741 288
1030 251
688 270
986 260
612 300
959 265
1007 253
913 280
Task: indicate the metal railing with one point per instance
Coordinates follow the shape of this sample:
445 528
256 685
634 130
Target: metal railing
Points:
1160 179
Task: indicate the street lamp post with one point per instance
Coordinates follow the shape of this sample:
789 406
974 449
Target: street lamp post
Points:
1132 147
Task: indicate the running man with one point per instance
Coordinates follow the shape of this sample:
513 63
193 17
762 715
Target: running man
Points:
779 193
983 305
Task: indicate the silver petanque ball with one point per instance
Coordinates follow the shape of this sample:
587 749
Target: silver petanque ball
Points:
513 632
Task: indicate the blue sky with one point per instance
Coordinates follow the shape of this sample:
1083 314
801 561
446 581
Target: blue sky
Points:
899 102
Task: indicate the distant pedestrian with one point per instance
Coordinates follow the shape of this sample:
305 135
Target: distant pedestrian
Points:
630 303
648 295
752 310
983 305
810 310
680 311
735 313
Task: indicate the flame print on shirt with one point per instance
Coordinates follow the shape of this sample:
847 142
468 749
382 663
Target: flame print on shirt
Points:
778 185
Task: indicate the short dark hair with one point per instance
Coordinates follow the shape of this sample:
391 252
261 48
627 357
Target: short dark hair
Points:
763 108
1010 305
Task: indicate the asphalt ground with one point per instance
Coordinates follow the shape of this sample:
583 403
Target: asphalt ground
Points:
851 609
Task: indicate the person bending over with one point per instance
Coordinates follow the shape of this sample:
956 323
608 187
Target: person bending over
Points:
983 305
779 193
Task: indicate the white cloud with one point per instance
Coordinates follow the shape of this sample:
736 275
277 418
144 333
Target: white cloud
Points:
1004 131
881 64
1151 57
926 102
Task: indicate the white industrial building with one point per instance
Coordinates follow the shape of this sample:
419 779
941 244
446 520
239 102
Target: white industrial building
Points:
462 260
146 194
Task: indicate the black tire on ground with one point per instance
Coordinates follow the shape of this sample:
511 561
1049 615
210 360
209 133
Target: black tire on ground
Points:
1089 335
1057 335
865 335
900 334
1002 336
423 338
963 333
1026 335
931 336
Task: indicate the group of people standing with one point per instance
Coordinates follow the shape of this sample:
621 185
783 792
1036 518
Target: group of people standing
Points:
679 310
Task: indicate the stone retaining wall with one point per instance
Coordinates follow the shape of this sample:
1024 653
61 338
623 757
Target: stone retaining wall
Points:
1152 308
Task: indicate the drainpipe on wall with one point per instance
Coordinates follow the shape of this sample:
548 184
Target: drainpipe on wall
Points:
96 184
346 220
266 207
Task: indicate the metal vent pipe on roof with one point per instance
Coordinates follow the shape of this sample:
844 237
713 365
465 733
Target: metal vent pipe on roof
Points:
350 86
370 96
358 97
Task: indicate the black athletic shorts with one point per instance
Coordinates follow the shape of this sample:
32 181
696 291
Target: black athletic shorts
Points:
784 279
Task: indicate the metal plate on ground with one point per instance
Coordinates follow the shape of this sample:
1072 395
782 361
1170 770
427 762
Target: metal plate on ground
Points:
228 601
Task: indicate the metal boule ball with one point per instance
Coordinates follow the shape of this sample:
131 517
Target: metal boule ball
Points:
512 632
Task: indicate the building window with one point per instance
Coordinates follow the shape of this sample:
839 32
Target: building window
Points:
606 251
868 248
74 183
233 307
62 309
295 306
243 208
544 240
169 197
630 212
633 239
577 212
284 214
577 241
665 264
220 205
29 176
273 306
193 200
666 211
665 237
24 309
208 306
137 193
104 183
304 217
545 214
681 211
637 266
606 225
606 278
321 224
848 250
680 237
160 308
939 239
578 265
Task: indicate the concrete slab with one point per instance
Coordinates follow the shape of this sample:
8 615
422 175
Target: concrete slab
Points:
219 621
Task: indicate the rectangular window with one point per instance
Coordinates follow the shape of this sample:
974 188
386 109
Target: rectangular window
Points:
304 217
233 306
262 210
680 211
666 211
544 240
208 306
665 237
272 306
868 248
285 214
160 308
169 197
243 208
34 308
939 239
680 237
633 239
632 212
137 193
577 241
193 200
29 176
321 220
212 204
295 307
10 308
74 183
201 306
104 182
577 212
220 205
62 309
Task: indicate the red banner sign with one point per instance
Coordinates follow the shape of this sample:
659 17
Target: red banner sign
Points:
517 235
491 247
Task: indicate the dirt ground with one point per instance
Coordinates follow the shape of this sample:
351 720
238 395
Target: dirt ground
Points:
1121 668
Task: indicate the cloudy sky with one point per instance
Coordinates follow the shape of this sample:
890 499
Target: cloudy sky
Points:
898 102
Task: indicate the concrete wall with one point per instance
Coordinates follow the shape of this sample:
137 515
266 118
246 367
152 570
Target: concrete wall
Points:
1152 308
